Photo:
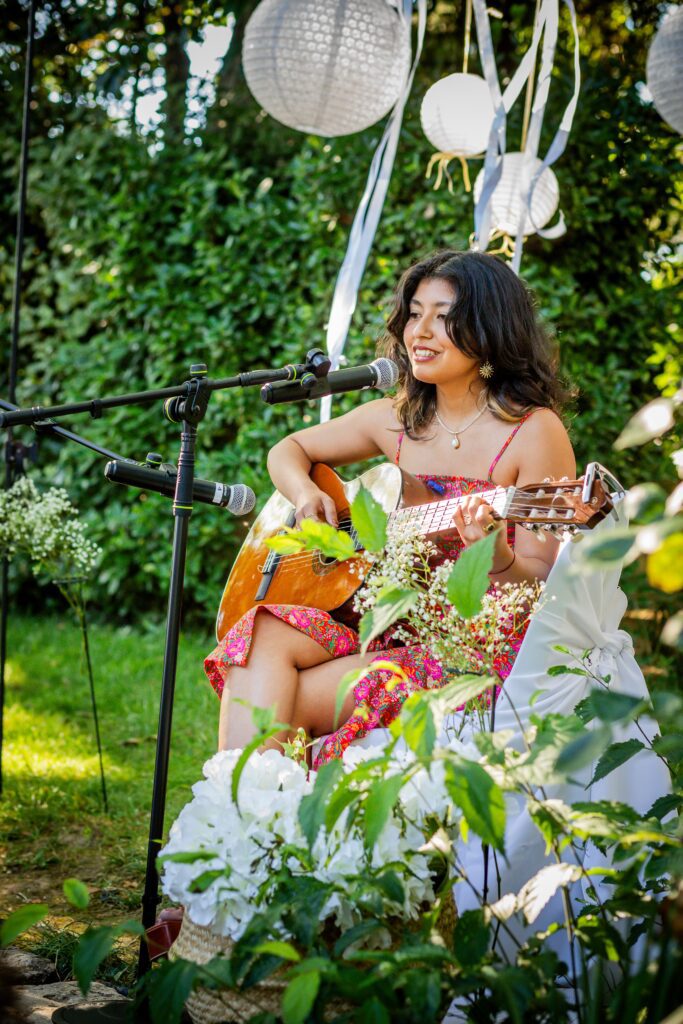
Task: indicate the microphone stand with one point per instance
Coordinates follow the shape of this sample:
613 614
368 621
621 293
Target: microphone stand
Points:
186 404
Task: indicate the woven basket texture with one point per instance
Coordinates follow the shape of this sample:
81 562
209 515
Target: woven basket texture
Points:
199 945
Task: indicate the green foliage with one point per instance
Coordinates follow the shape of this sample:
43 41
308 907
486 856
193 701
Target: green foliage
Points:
469 578
76 893
20 921
143 258
369 521
392 604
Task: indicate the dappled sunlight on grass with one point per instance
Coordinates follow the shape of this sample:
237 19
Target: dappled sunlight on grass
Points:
52 803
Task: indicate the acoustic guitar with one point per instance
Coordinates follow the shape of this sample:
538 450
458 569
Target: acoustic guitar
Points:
260 576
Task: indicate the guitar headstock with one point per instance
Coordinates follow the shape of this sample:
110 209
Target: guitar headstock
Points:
560 506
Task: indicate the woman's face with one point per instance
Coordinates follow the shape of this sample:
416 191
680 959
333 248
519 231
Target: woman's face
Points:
433 356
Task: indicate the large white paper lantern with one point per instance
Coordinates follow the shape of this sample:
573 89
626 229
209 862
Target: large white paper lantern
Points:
326 67
457 114
509 195
665 69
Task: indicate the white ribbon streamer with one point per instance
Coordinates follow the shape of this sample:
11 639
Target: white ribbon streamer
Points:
368 213
547 26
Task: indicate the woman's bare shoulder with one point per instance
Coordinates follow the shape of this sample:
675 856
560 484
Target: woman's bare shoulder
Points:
545 449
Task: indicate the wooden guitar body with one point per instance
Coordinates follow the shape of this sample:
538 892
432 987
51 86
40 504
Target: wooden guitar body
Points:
309 578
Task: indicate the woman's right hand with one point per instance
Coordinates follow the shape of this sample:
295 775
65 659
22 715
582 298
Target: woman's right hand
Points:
315 504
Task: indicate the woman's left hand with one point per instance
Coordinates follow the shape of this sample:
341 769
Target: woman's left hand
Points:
474 519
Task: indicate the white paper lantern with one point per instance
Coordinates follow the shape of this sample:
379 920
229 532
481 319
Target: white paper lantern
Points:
510 194
326 67
665 69
457 114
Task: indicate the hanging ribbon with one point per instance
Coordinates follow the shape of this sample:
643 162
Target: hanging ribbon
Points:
369 211
546 27
559 142
502 104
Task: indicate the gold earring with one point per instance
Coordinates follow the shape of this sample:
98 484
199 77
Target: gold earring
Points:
486 370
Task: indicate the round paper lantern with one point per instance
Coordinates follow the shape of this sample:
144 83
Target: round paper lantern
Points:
457 114
510 193
665 69
326 67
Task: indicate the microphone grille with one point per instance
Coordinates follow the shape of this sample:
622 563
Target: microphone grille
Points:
387 373
242 500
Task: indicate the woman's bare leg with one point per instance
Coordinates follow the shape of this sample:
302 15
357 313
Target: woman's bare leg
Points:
269 679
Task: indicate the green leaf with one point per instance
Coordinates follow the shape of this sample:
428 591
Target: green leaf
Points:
379 805
392 603
604 550
653 420
369 521
672 634
299 997
480 799
284 544
535 894
610 706
390 883
76 893
325 538
585 748
169 987
471 938
94 945
417 726
463 689
202 882
615 755
312 806
282 949
664 805
186 857
257 742
469 578
20 921
372 1012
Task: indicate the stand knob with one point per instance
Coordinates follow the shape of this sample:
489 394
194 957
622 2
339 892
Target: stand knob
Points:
153 460
198 370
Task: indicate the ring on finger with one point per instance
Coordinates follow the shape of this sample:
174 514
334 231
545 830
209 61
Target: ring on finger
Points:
490 527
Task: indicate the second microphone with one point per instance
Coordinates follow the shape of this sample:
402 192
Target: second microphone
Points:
381 374
239 499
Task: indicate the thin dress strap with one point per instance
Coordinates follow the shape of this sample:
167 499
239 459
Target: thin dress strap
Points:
503 449
398 446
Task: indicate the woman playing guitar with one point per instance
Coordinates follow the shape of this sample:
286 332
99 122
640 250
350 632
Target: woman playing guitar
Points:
476 405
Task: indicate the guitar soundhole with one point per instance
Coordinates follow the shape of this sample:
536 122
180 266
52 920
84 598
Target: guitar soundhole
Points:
321 565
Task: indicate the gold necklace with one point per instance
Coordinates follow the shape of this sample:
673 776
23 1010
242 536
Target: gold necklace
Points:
455 439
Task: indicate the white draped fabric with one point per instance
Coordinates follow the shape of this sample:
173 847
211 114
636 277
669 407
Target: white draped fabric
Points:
582 610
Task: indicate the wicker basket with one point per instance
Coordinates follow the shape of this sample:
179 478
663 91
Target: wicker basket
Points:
199 944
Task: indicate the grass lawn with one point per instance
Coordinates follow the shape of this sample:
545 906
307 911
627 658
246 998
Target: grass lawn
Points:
52 824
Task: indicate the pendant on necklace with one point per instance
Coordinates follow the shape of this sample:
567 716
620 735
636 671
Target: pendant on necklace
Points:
455 443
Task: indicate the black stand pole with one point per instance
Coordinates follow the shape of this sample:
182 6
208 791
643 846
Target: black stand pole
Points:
10 446
192 409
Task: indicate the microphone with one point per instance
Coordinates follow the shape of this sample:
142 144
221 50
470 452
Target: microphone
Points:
381 374
239 499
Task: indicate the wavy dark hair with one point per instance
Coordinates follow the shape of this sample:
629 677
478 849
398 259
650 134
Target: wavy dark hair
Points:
493 318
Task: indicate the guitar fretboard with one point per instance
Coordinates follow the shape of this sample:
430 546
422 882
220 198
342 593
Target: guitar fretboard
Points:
437 516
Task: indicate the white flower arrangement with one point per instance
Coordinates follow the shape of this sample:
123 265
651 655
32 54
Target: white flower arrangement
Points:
465 645
221 855
45 527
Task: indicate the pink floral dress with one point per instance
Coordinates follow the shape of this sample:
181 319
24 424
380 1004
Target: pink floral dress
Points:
375 704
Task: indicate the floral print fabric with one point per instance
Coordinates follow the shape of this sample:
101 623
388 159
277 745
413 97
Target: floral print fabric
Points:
379 696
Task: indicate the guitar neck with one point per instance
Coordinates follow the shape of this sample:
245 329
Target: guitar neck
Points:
436 517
